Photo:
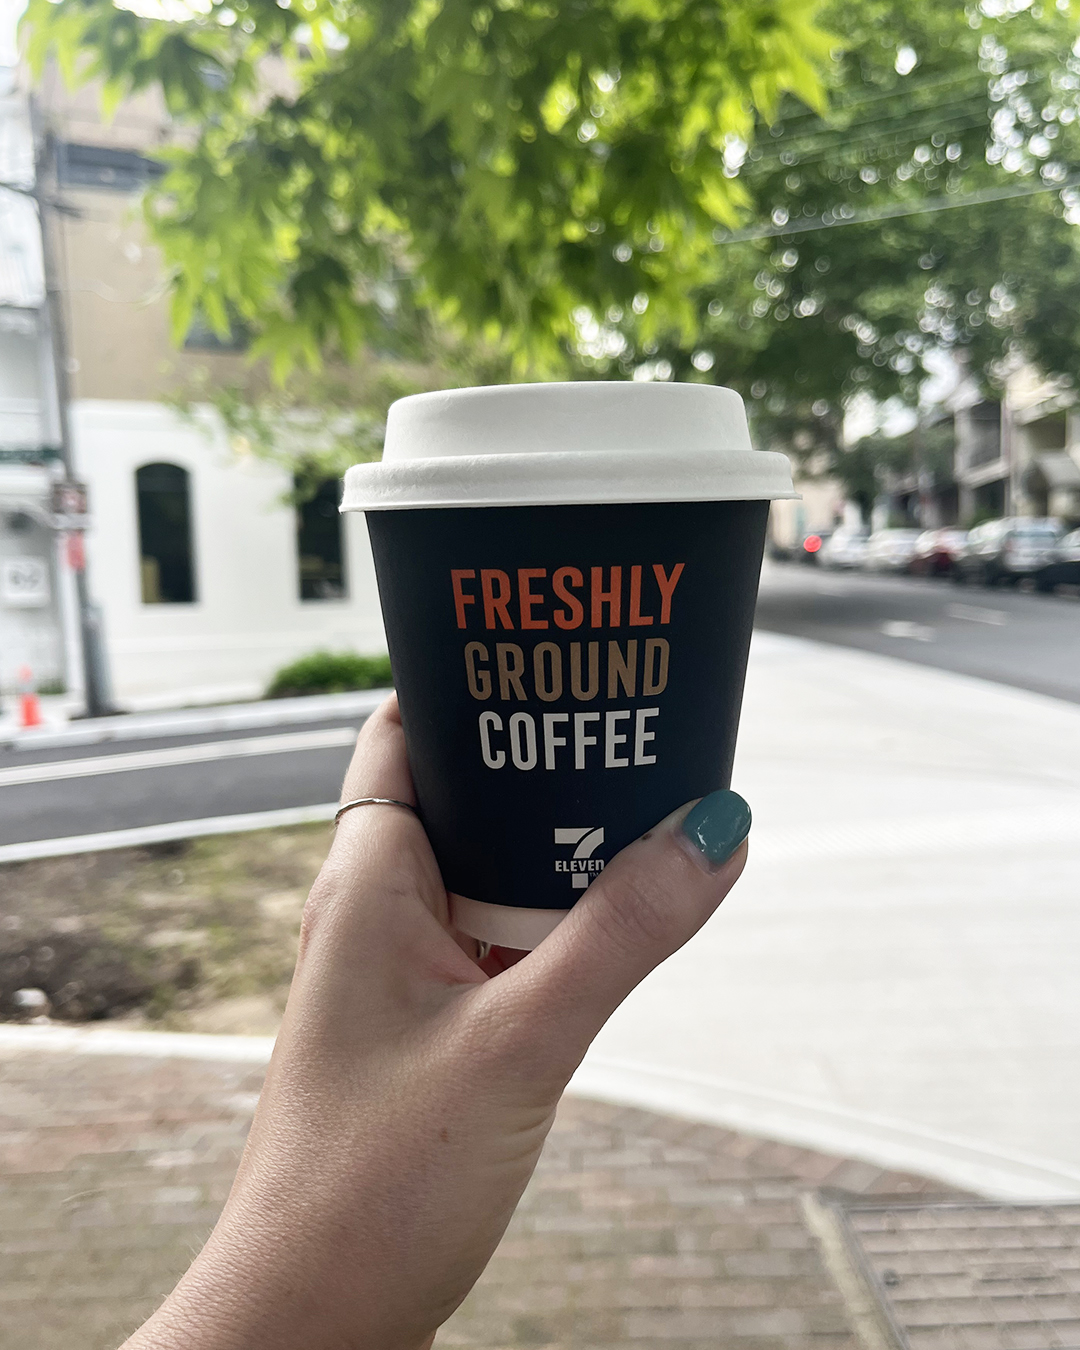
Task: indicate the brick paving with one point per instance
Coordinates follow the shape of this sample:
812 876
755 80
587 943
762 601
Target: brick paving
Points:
637 1230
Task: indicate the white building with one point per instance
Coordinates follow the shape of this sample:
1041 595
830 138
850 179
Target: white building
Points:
32 605
207 578
199 565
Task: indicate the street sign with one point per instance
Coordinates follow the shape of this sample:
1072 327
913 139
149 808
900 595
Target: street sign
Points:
24 583
69 505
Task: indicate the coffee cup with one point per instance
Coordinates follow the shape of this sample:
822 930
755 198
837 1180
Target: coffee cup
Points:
567 574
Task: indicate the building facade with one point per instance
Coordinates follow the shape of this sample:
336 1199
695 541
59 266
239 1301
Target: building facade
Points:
208 577
1018 455
36 639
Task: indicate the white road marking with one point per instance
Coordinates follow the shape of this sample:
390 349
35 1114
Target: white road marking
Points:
140 835
977 614
905 628
275 712
242 747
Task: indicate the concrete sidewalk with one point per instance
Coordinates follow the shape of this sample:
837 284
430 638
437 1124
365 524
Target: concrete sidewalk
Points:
895 976
636 1231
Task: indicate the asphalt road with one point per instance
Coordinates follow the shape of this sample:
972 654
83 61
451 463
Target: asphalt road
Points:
87 790
142 780
1029 641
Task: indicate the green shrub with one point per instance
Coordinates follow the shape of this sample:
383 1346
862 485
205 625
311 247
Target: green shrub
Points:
330 673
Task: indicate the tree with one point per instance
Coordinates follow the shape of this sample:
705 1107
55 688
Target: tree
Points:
621 187
504 163
930 208
315 424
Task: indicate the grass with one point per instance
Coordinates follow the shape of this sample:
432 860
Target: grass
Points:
196 935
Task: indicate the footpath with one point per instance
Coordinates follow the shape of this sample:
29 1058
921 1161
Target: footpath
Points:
894 977
637 1229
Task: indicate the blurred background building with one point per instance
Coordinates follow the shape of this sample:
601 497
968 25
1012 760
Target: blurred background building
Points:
967 459
208 577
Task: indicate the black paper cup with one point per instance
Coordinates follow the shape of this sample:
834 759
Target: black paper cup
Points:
568 671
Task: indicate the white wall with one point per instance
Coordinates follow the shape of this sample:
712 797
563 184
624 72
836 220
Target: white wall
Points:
247 620
817 508
30 635
20 361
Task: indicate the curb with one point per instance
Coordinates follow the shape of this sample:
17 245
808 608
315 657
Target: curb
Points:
898 1145
151 1044
139 836
199 721
893 1144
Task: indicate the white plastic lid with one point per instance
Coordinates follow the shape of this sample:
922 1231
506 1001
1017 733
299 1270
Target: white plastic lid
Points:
567 444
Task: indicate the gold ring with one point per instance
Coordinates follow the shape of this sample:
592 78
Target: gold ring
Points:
371 801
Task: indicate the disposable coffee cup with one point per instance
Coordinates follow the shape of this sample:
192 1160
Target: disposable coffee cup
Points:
568 575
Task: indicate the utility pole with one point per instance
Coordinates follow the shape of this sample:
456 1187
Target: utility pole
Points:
46 185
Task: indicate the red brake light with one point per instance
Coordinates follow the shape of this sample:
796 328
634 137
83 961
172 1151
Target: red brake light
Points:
812 543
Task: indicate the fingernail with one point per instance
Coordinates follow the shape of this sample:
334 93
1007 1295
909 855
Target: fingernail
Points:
717 825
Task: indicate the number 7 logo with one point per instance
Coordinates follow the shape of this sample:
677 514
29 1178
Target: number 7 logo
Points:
587 840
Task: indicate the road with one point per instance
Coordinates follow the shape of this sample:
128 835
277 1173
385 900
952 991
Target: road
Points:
1027 641
160 772
206 768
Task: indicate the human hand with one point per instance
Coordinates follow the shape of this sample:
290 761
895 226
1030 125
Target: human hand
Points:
411 1086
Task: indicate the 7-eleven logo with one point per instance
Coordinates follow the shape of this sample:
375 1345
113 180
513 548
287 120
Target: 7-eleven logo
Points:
582 866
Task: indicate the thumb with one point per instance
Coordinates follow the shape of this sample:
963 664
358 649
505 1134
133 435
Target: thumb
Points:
648 901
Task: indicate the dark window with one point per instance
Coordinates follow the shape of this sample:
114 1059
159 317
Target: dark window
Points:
100 166
165 535
985 434
319 544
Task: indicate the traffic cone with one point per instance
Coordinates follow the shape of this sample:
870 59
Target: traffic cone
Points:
29 703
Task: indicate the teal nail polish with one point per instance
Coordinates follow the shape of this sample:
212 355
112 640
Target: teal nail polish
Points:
718 824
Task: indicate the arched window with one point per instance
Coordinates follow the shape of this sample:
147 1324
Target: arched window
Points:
319 544
165 561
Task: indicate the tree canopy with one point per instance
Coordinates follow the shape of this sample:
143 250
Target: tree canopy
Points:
930 208
667 188
508 162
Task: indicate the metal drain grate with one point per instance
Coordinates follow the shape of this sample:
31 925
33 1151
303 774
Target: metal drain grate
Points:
972 1276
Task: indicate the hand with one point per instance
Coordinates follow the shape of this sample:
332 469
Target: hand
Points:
411 1087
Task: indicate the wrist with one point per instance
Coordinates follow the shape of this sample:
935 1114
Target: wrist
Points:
252 1303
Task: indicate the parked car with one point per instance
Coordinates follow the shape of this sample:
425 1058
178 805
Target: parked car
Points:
890 550
845 548
1007 551
936 552
1064 567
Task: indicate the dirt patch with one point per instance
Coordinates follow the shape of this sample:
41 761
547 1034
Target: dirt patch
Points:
196 935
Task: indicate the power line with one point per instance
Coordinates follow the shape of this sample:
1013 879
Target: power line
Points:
780 144
903 134
930 82
897 211
774 149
